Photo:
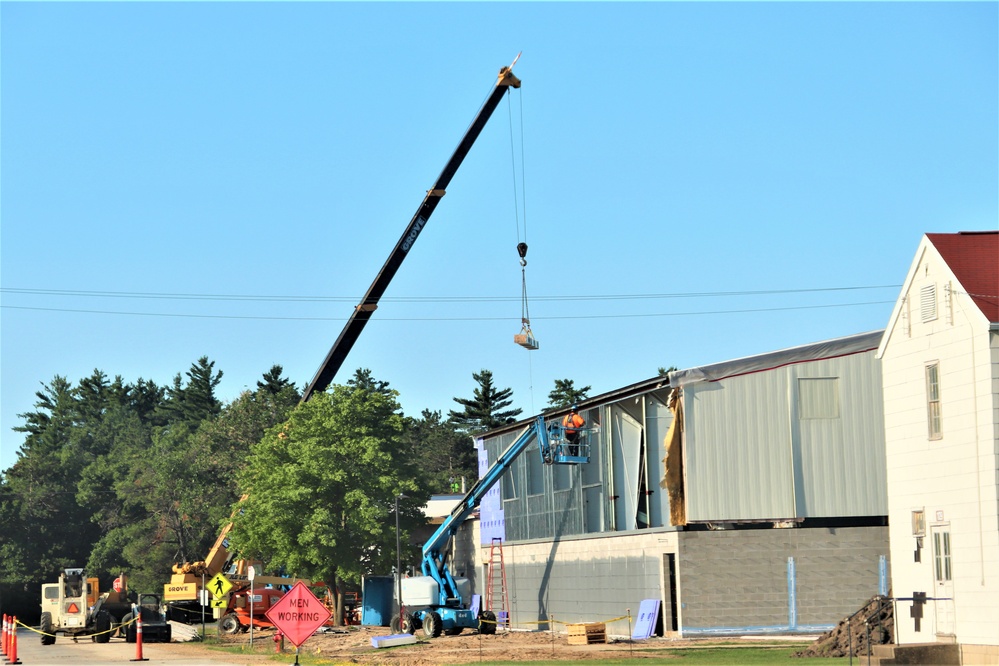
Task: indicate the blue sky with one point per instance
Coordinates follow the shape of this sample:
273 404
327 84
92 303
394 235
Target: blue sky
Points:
668 160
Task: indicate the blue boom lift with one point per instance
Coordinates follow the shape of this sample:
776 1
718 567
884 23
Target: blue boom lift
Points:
434 601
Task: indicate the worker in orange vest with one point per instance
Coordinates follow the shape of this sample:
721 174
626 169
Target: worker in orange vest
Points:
571 424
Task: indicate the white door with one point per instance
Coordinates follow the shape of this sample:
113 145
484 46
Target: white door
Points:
943 580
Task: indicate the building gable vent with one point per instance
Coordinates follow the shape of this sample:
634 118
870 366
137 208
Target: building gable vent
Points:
928 303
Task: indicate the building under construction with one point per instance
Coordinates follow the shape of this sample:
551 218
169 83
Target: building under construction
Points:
747 496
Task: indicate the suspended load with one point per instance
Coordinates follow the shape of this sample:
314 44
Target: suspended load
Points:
526 337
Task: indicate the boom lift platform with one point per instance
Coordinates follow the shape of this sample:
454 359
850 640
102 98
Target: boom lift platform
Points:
436 601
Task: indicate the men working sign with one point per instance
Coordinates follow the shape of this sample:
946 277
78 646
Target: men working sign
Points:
298 614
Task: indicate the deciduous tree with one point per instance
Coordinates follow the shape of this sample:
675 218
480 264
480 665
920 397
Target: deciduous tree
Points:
322 487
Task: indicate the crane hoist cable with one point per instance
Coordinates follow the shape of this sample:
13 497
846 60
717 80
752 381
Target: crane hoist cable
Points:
526 337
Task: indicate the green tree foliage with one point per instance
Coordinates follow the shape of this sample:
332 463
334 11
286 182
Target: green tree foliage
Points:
52 527
112 478
176 488
363 379
193 401
322 486
442 451
565 394
665 371
485 409
275 383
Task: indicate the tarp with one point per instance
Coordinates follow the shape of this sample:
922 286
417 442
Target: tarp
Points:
851 344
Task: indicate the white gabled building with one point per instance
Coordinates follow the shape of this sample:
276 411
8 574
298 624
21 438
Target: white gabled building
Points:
940 368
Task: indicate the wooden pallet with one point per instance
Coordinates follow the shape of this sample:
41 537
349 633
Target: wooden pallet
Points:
584 634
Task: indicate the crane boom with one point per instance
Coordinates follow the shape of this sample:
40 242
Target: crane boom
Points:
184 583
363 311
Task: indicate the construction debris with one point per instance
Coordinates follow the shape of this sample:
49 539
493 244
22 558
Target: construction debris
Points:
874 624
393 640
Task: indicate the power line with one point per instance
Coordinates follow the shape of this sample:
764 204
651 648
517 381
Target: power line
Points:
549 318
425 299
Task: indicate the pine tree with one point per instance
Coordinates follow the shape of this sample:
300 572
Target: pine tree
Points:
273 382
484 411
565 394
362 379
195 401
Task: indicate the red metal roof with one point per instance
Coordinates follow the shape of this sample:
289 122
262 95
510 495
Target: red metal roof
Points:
973 256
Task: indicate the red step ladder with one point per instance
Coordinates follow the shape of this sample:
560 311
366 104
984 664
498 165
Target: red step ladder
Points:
497 603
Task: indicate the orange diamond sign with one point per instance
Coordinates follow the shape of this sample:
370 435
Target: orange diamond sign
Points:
298 614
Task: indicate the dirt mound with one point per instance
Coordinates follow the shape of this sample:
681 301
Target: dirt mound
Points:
851 634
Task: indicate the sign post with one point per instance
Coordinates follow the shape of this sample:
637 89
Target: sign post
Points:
298 614
252 573
204 602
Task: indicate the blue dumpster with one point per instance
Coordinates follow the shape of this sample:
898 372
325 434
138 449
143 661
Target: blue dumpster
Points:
378 601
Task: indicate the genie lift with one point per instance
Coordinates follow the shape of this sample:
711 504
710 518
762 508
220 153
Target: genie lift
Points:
438 602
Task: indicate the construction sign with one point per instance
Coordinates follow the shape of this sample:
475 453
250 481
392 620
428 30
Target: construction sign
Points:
298 614
220 602
219 585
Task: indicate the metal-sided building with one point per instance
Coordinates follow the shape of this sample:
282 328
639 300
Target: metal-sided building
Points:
768 515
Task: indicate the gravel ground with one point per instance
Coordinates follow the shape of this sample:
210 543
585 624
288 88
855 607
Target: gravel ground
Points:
354 646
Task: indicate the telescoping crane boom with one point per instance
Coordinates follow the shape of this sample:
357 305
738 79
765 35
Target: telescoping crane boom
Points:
436 600
185 583
363 311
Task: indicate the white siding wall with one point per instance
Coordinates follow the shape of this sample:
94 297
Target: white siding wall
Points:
952 478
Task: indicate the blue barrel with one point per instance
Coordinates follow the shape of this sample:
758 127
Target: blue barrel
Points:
378 601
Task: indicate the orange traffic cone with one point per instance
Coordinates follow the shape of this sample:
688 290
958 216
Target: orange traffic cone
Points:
12 657
138 635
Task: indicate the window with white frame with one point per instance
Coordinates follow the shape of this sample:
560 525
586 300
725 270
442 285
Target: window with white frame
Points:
933 401
941 556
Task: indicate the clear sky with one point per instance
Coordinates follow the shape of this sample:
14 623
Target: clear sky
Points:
696 182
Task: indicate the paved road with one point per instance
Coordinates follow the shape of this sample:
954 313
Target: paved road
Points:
65 652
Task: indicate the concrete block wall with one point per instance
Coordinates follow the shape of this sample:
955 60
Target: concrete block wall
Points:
738 579
583 580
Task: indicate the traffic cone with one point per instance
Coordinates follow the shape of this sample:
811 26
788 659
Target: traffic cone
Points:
12 657
138 635
3 639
